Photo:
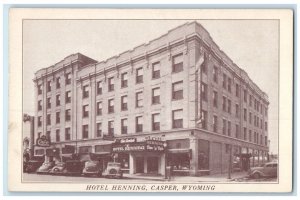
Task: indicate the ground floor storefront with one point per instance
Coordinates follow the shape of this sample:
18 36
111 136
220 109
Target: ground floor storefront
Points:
186 152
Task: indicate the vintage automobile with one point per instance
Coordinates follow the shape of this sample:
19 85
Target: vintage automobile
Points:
266 170
45 167
73 167
32 165
59 168
92 168
113 170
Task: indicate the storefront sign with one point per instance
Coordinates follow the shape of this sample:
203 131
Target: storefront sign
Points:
137 146
126 140
43 141
129 147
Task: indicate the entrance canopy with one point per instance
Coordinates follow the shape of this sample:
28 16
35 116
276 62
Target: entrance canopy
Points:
144 146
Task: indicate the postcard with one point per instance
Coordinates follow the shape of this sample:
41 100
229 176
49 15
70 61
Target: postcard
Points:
150 100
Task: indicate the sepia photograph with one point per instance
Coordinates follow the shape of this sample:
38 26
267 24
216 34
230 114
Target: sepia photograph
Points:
152 104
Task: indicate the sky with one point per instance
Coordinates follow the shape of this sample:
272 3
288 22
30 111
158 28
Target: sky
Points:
251 44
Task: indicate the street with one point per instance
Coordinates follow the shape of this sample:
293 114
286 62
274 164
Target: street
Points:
238 177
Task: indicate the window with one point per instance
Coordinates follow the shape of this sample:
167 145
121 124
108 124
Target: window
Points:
124 102
99 108
261 124
156 95
177 63
48 86
229 106
85 131
229 128
57 135
85 93
245 114
266 140
204 68
156 122
204 119
111 105
111 84
237 90
39 121
124 126
111 128
124 80
250 100
40 107
215 124
68 78
245 133
224 126
58 100
204 91
224 81
85 111
68 115
229 85
99 87
156 70
237 131
99 129
68 97
177 118
58 83
177 90
224 103
139 124
57 117
67 133
40 90
237 110
266 126
245 95
215 99
250 136
48 119
215 74
48 135
139 75
139 99
250 117
266 111
49 102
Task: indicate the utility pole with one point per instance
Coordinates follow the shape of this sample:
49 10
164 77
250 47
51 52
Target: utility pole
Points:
230 162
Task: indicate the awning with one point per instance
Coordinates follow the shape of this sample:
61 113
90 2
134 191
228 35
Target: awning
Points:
100 155
179 150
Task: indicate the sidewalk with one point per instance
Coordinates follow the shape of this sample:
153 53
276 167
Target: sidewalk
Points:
189 179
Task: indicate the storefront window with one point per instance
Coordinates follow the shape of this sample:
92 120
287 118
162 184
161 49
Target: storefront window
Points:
123 158
203 155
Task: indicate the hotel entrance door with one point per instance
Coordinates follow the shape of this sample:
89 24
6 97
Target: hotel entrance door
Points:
139 164
152 165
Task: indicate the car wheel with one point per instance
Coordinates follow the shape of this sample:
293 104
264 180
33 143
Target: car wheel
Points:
256 175
113 171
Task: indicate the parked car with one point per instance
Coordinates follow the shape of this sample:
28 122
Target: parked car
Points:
32 165
59 168
92 168
113 170
266 170
45 168
73 167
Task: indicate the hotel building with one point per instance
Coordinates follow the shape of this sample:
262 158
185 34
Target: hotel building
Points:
177 100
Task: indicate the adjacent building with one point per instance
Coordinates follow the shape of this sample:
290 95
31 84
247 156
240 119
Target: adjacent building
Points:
177 100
